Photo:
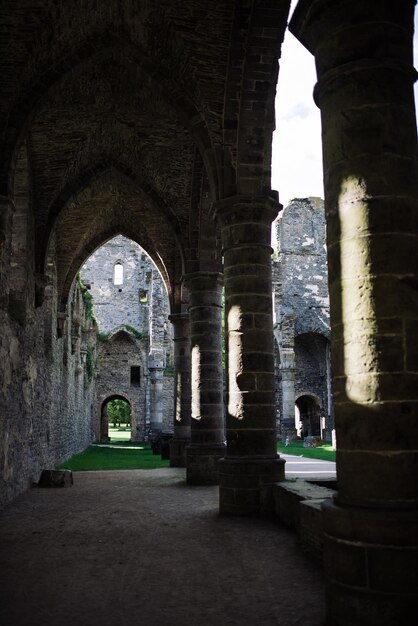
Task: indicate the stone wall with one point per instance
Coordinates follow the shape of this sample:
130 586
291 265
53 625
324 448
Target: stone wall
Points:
117 354
47 387
129 301
132 311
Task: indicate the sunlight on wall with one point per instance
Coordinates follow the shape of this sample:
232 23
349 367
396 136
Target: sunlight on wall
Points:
196 370
235 367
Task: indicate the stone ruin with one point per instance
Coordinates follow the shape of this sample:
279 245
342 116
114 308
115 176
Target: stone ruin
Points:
135 343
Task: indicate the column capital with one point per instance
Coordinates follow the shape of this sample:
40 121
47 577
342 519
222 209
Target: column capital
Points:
181 325
203 276
156 359
314 21
203 281
246 208
178 317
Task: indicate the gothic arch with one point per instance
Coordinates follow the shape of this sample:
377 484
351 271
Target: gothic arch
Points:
71 197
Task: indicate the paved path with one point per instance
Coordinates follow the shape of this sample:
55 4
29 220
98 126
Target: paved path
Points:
297 466
141 547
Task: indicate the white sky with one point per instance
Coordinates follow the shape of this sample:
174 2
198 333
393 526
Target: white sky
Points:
297 157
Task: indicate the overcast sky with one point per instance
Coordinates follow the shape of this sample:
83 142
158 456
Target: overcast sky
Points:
297 157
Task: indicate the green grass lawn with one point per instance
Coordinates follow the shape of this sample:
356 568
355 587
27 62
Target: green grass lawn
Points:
120 455
114 456
324 452
119 434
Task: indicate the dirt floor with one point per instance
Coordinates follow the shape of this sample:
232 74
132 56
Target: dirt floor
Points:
141 547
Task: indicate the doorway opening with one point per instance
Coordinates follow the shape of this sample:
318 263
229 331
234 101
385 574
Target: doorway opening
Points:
308 416
115 421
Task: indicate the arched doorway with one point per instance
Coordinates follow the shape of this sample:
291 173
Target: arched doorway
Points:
116 411
308 413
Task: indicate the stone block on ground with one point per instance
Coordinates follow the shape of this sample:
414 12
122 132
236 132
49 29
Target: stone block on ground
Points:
56 478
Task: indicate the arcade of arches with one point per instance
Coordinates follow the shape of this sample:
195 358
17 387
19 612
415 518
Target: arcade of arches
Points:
154 120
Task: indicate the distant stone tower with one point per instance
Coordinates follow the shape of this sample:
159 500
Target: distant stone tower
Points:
135 340
302 326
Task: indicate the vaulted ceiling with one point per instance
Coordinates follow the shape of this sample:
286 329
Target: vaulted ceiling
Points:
128 114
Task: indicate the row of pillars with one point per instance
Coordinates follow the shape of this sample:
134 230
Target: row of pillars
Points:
235 444
363 56
363 53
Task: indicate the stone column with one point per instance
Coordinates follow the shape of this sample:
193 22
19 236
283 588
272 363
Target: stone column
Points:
251 459
207 423
182 406
363 52
156 373
287 372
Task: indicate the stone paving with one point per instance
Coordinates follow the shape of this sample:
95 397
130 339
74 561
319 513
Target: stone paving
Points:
129 547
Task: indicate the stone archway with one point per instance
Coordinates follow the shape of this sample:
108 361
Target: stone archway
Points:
103 420
308 416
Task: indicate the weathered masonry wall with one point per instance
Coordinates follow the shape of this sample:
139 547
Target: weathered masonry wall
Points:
47 387
131 307
117 355
302 326
127 298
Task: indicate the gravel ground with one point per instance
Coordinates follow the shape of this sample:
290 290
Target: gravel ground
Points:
123 548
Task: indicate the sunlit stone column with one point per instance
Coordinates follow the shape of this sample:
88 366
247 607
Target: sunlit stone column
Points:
363 53
182 407
207 424
251 458
287 372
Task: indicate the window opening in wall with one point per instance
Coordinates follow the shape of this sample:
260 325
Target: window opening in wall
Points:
135 376
118 274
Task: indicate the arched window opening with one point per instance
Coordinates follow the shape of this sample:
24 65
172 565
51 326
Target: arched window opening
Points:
118 274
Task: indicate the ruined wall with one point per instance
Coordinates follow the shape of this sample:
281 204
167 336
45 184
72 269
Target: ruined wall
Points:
134 300
116 356
301 308
129 300
47 385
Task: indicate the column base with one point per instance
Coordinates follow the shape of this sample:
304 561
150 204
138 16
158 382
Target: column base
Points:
202 464
370 558
241 480
178 452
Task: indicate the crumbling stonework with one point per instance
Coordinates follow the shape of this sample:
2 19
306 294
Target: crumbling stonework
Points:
47 388
302 325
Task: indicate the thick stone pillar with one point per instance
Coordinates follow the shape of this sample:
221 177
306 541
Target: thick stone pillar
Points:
287 372
251 458
182 401
363 51
156 373
207 424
